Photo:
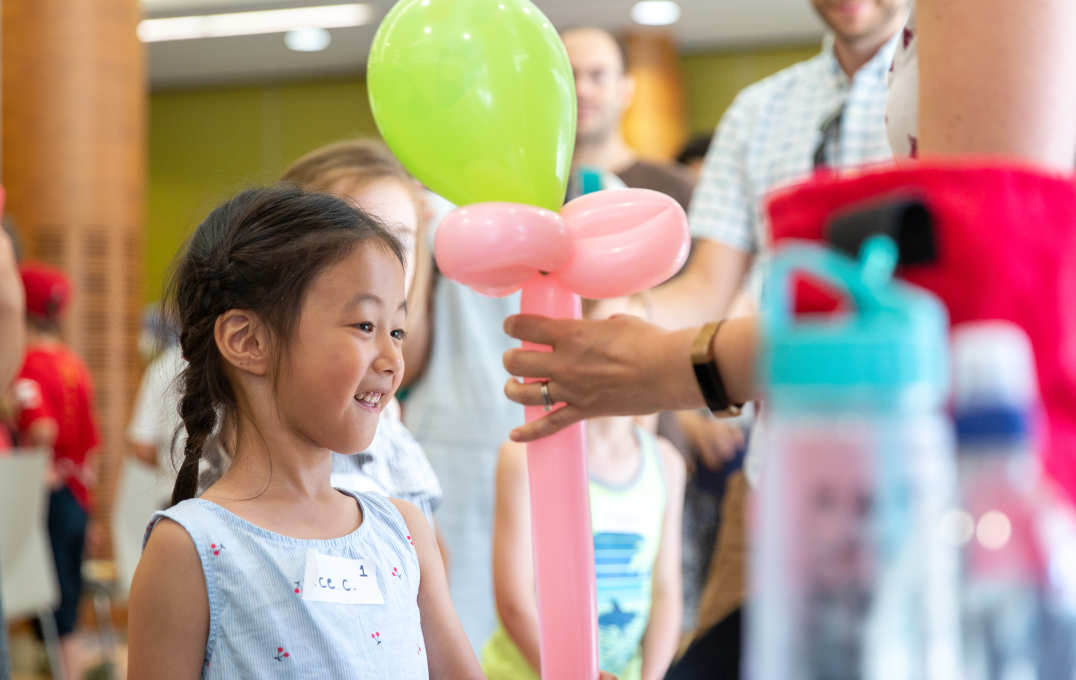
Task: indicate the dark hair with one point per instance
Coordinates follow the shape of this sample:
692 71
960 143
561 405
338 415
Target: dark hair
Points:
258 251
695 149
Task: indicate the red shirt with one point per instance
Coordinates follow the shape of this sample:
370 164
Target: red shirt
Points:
54 384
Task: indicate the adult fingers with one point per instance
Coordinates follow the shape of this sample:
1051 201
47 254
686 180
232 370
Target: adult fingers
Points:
720 442
548 424
527 363
530 393
541 330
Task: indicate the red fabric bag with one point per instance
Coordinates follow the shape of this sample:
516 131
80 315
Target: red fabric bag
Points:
1006 249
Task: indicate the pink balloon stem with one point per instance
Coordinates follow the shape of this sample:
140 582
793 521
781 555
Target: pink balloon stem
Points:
560 523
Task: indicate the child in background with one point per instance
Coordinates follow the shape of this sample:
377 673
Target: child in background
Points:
155 429
53 397
291 309
636 501
365 172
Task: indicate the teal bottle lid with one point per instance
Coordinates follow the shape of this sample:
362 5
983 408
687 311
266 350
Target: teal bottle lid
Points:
894 338
590 180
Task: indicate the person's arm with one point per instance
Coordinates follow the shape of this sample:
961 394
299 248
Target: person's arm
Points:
41 433
513 568
168 615
144 453
449 652
621 366
1007 92
714 440
442 548
666 599
723 219
142 431
12 313
36 423
705 289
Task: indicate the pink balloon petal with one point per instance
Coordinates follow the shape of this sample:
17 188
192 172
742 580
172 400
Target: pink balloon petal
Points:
626 241
614 210
497 247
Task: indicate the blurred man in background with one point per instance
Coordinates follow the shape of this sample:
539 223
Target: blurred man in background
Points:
824 113
604 91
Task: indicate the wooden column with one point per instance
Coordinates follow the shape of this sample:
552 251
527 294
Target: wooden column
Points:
655 125
74 170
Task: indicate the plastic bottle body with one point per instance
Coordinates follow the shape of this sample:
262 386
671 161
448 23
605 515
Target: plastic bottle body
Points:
1017 620
1014 626
852 578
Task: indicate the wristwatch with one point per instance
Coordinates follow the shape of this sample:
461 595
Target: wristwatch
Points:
707 373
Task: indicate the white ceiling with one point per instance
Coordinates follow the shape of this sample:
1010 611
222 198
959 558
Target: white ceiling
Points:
703 24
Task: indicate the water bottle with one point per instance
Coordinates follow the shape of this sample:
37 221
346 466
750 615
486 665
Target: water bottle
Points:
851 578
1013 626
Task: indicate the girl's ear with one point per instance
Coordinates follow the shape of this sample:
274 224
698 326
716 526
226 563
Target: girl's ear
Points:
243 341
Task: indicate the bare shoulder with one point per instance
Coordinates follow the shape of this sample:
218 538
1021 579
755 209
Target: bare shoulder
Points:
170 552
168 579
169 543
412 516
671 458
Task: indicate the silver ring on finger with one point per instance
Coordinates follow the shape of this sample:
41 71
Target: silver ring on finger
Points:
545 396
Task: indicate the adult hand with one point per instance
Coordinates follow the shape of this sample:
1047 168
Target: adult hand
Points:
618 366
714 439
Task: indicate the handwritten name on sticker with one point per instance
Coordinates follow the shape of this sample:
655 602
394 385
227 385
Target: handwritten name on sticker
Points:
343 580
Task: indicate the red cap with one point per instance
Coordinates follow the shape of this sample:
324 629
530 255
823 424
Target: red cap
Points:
47 290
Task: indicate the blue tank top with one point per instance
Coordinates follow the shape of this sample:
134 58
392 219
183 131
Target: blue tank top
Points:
276 611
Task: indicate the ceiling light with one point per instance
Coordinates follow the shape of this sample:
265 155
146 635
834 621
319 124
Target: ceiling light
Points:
251 23
307 39
655 12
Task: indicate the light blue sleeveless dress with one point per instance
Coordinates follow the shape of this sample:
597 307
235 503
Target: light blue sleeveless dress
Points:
263 625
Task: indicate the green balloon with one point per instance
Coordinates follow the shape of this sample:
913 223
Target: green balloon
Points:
476 98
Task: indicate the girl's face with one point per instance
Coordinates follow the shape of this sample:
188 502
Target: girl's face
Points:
344 361
390 201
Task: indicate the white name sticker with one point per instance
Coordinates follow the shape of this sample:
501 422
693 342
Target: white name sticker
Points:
339 579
